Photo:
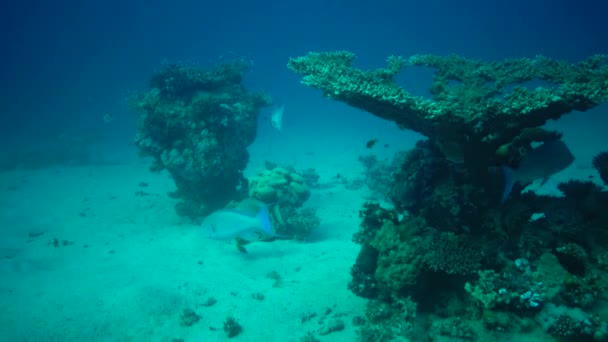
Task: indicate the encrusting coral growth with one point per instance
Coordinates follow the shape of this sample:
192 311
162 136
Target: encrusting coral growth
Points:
197 125
448 247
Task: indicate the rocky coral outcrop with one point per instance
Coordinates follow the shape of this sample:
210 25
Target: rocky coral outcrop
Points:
197 125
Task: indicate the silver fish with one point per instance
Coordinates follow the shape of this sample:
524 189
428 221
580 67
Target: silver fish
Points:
231 224
541 163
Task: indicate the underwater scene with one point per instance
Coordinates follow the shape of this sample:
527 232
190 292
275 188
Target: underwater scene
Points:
292 171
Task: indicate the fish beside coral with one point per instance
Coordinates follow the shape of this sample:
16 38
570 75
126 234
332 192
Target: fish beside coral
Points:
540 163
245 223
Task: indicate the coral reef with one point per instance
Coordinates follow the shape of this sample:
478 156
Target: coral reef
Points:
278 185
456 242
286 190
295 221
600 163
379 173
197 124
474 266
571 324
452 254
476 107
388 319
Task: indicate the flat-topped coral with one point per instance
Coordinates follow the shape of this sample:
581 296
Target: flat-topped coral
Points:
197 125
448 243
475 106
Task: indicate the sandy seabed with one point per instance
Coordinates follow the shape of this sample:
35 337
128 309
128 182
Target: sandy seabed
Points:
98 253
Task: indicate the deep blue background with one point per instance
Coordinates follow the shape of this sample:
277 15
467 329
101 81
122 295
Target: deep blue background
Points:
66 63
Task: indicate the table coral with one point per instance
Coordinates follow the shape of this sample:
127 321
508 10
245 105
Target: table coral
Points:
475 106
447 230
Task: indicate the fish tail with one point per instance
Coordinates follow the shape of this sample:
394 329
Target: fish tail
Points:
264 218
509 175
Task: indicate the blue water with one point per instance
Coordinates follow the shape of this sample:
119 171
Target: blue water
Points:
64 63
67 70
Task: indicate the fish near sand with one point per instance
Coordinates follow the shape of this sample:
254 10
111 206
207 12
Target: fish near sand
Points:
541 163
240 225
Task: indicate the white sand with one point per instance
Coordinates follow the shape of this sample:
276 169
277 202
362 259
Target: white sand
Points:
134 265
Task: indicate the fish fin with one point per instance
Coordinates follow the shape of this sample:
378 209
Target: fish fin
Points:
240 245
267 225
509 175
264 218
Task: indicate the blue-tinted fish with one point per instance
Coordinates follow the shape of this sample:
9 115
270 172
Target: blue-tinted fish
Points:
541 163
240 225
